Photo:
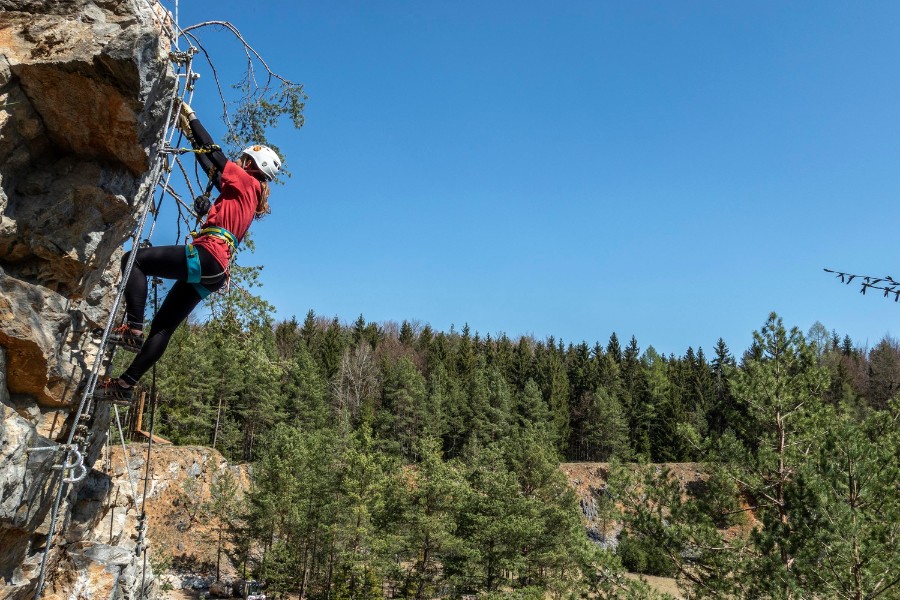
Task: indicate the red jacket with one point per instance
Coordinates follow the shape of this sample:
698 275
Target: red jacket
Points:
233 210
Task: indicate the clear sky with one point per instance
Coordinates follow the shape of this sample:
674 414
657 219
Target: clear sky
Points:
669 170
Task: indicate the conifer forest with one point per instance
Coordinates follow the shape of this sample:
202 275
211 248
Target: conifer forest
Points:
394 460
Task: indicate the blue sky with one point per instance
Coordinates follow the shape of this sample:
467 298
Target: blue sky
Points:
669 170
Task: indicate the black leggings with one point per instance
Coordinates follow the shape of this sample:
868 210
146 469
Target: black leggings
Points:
168 262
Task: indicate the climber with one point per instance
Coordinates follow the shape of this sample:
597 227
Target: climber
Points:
199 268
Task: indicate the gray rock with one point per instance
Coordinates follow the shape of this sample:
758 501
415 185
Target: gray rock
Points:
196 583
84 88
219 589
85 553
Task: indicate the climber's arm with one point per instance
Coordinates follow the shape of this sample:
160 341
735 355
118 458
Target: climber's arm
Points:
208 160
213 160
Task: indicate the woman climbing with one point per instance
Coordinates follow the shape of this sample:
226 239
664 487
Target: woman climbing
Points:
199 268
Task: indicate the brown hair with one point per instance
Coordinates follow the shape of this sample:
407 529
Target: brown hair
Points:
262 206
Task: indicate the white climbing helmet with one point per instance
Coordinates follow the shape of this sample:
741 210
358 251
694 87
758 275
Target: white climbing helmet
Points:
265 158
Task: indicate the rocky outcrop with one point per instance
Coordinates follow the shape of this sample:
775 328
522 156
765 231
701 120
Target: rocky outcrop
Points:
104 519
84 89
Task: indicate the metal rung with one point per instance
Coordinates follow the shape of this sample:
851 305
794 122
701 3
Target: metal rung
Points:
122 403
57 448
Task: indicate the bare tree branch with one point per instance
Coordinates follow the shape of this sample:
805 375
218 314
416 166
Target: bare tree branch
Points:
887 285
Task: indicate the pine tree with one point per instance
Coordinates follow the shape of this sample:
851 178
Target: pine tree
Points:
223 508
721 414
613 348
363 474
287 335
405 399
551 534
503 358
531 409
304 390
421 513
334 343
699 397
190 411
523 363
258 403
457 412
555 387
438 399
493 526
608 434
849 522
407 337
779 389
657 402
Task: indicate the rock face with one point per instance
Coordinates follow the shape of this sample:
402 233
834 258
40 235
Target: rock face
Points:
84 91
102 563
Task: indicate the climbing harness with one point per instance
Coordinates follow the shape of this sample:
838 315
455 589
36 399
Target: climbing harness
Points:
195 277
221 233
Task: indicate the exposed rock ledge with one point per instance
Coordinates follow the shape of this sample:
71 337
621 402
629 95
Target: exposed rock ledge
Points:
83 94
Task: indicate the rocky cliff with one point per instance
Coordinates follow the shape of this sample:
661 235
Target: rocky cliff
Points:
84 89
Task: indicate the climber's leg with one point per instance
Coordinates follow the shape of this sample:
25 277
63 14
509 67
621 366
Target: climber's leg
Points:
159 261
179 303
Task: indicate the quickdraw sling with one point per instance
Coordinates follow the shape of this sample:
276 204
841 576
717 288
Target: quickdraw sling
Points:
195 276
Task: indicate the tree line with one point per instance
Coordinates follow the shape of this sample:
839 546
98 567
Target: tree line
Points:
229 380
395 460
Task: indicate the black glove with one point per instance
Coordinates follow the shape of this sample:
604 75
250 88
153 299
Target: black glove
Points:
201 205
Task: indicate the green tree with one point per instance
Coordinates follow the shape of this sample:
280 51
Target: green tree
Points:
795 476
608 434
884 373
721 414
780 389
531 410
364 472
850 520
420 513
554 383
405 405
303 389
494 525
223 508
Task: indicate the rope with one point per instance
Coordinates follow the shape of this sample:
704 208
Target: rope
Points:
71 446
125 458
142 519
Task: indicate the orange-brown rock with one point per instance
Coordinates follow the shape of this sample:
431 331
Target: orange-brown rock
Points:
84 92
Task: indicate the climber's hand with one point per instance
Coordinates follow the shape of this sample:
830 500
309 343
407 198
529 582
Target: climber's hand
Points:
187 111
201 205
184 118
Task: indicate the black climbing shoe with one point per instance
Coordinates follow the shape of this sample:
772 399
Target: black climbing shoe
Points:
110 389
126 339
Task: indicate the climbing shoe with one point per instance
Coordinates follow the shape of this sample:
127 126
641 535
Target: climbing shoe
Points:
109 388
124 337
